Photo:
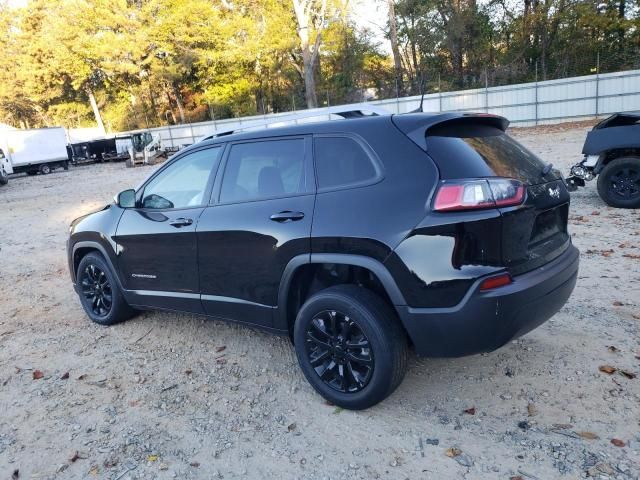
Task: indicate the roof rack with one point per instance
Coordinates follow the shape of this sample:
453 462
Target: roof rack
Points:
357 110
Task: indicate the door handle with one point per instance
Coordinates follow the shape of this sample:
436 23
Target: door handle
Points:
181 222
287 216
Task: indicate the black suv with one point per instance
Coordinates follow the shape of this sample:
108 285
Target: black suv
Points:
355 237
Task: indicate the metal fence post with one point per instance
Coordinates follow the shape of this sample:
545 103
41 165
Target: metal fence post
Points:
439 94
486 91
536 93
597 82
193 138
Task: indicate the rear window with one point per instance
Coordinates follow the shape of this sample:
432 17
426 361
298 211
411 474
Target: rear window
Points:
468 151
342 161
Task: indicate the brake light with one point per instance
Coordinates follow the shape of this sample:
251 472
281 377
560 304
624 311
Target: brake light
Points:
495 282
478 194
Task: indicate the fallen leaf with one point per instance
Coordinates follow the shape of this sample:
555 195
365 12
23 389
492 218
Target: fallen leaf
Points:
453 452
163 466
65 376
470 411
613 349
94 470
595 212
516 477
152 458
532 410
618 303
37 374
628 374
221 349
291 427
631 255
607 369
618 443
221 361
82 377
15 475
75 457
195 464
588 435
338 410
188 371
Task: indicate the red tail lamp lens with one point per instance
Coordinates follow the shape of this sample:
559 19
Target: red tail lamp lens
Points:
478 194
496 282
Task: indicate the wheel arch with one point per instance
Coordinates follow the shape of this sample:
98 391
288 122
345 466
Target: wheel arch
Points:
82 249
608 156
303 269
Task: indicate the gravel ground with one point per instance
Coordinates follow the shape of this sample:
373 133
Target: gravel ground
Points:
179 396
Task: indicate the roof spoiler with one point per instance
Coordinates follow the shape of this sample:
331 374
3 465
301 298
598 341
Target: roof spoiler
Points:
416 125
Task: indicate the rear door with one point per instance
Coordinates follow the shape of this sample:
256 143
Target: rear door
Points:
260 218
157 249
532 233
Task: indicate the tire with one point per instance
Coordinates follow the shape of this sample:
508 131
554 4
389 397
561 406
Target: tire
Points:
4 178
619 183
94 273
378 370
45 169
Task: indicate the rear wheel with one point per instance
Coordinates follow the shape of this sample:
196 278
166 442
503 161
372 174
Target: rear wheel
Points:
99 292
350 346
4 178
45 169
619 183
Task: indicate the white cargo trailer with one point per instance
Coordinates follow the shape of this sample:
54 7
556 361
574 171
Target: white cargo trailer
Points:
32 151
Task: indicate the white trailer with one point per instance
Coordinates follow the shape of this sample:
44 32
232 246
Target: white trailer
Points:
32 151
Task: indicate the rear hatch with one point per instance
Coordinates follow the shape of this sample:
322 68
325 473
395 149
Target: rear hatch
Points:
534 232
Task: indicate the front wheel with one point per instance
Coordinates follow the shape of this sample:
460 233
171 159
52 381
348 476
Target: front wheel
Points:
4 178
100 293
350 346
619 183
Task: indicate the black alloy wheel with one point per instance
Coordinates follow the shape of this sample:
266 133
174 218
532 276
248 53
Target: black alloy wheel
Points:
625 183
96 288
339 351
350 345
619 182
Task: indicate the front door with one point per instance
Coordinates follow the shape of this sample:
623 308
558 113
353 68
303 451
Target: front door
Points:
261 218
157 249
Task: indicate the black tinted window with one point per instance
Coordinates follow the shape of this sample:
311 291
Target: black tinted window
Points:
341 161
263 169
183 183
465 151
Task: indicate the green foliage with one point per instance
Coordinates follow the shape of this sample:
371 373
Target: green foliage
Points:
149 62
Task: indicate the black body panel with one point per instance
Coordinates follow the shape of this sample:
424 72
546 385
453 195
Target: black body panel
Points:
618 131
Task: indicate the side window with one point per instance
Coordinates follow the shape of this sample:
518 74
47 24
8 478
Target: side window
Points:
183 183
341 161
269 168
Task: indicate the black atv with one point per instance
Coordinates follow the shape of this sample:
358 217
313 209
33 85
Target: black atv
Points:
612 153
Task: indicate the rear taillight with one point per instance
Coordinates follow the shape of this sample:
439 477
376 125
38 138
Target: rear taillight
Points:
478 193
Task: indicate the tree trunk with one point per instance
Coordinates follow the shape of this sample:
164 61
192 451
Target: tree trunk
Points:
393 36
176 93
96 110
302 10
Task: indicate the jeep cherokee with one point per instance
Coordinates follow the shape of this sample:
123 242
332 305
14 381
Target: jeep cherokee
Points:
358 238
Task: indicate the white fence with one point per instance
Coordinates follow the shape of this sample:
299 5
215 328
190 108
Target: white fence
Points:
526 104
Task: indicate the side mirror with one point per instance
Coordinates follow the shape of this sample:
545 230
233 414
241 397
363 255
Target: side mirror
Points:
127 198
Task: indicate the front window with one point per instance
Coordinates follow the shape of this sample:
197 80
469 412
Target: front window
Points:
182 184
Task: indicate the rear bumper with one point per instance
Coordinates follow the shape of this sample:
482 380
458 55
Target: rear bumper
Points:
485 321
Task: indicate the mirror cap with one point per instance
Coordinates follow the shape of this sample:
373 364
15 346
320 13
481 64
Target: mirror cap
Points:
127 198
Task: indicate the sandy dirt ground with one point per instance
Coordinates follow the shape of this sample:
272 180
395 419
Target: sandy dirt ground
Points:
179 396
